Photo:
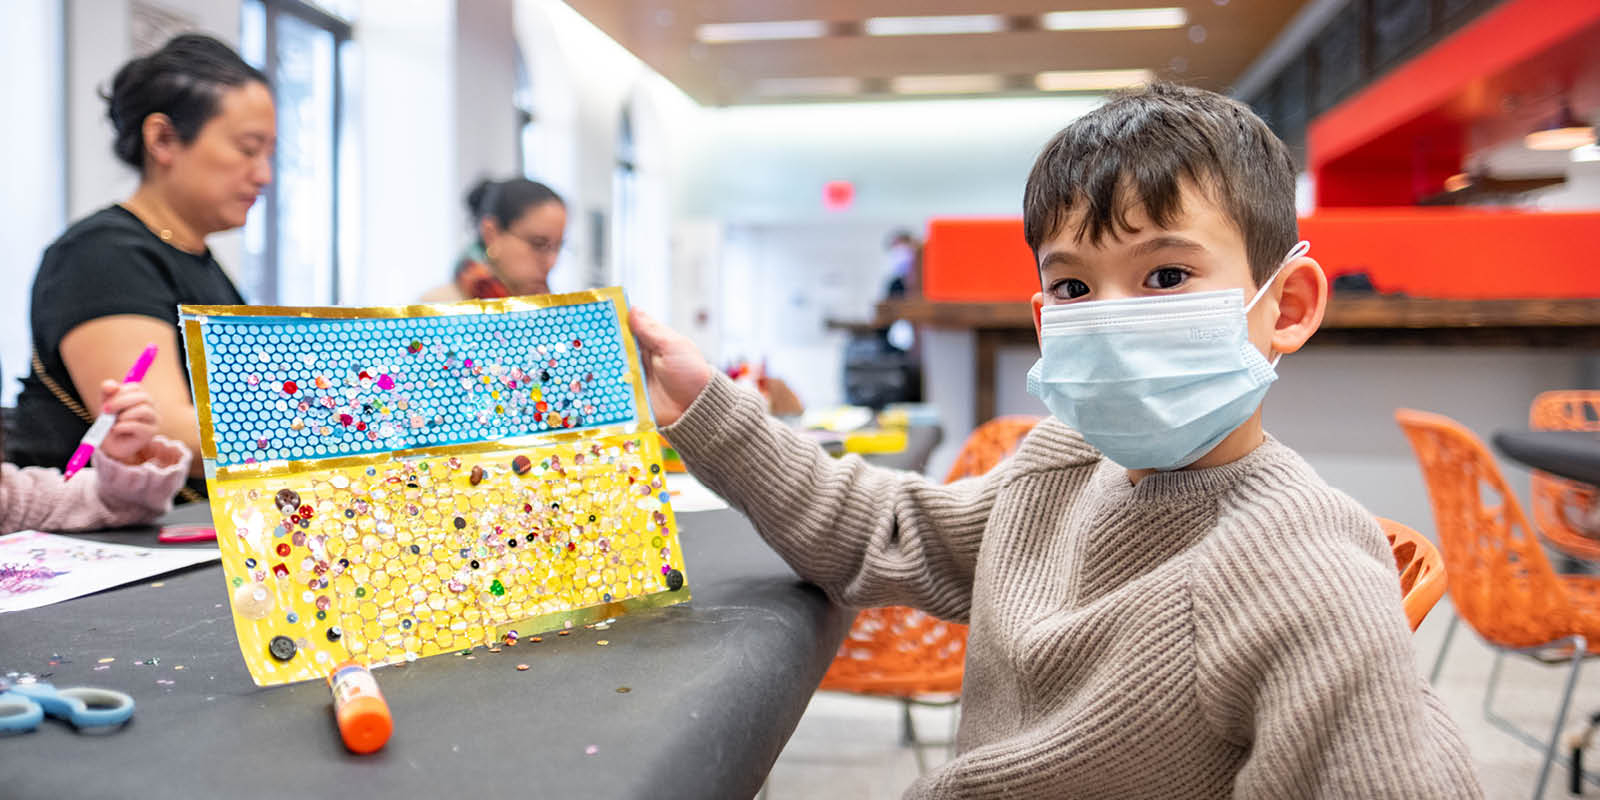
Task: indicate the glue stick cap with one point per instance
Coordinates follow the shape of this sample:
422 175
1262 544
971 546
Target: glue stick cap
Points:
365 725
359 708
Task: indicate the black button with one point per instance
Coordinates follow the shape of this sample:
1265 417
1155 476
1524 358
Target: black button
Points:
531 537
474 563
674 580
512 542
334 633
460 523
654 468
281 648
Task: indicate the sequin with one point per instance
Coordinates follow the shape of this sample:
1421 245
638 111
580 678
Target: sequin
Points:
476 477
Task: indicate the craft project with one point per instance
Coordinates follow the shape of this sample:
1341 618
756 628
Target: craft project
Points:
393 483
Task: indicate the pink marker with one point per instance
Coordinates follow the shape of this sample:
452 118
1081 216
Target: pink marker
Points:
102 424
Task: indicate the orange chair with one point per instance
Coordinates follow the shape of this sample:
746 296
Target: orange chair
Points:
1500 581
1422 576
1557 501
903 653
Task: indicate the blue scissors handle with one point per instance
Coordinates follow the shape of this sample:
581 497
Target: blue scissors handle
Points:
19 713
84 707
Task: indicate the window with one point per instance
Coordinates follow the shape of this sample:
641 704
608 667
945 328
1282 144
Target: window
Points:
291 241
547 105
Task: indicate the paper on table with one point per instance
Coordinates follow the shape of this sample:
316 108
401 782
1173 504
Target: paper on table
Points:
689 494
37 569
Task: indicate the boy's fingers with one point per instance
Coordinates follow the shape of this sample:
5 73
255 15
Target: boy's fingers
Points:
651 334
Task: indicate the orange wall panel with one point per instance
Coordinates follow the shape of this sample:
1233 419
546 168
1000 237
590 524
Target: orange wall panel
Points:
1424 252
977 260
1461 253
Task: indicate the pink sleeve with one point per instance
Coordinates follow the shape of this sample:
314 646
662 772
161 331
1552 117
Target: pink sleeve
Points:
108 495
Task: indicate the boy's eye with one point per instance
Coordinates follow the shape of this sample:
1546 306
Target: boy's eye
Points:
1166 278
1069 289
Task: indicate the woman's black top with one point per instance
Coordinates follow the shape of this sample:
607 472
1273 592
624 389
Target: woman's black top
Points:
106 264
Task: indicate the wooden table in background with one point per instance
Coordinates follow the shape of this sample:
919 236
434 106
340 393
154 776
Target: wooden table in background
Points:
1350 321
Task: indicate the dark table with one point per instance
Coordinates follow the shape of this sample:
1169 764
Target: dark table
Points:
714 689
1574 455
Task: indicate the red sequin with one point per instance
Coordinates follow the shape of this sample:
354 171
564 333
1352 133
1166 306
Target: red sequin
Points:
289 387
283 548
280 570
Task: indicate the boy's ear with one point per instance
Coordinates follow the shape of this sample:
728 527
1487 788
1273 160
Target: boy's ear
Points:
1038 315
1301 304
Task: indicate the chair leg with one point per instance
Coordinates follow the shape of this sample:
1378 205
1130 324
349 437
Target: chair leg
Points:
1444 647
908 735
1494 683
1578 647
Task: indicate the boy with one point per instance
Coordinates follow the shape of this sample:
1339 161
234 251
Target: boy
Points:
1164 602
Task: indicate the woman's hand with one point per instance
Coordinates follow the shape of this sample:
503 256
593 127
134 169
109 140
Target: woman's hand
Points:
132 440
675 372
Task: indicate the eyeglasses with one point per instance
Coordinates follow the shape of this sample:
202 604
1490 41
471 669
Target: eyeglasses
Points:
540 245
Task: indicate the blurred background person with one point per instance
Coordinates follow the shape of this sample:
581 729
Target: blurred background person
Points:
199 125
520 227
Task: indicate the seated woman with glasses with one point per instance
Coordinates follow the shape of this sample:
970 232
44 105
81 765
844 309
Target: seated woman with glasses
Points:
520 225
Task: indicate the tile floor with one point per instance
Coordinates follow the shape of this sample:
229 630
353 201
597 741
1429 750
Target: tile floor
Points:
847 747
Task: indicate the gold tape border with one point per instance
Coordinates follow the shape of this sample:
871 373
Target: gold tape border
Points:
589 615
644 419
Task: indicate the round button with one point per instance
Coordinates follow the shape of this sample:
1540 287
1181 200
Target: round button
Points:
334 633
281 648
674 580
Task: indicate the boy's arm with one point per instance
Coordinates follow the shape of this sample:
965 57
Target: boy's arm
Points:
868 536
1305 661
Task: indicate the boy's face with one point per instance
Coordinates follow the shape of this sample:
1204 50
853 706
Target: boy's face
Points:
1201 251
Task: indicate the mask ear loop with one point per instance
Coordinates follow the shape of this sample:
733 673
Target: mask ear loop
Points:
1301 248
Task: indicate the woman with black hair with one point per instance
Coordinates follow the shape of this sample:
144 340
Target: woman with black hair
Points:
520 226
199 126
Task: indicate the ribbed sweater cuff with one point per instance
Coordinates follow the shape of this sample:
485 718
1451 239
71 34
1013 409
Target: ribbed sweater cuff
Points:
145 486
719 413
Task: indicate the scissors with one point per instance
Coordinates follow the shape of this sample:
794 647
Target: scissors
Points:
23 705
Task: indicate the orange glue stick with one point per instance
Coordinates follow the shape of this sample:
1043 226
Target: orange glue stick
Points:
363 716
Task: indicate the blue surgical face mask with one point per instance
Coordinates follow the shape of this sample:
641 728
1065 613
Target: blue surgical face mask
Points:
1154 382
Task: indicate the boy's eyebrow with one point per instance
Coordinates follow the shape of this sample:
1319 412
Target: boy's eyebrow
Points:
1058 258
1157 243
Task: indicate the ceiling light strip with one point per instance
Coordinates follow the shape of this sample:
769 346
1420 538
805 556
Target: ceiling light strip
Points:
934 26
1119 19
726 32
1094 80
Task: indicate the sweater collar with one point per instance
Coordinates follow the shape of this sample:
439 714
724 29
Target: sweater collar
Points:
1187 484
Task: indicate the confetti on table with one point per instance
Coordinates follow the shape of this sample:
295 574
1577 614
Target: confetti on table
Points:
106 660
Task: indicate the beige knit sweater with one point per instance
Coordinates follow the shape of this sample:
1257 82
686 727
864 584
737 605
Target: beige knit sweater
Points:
1234 631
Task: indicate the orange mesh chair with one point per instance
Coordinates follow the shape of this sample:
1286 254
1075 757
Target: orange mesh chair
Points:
1557 501
1500 581
1422 577
903 653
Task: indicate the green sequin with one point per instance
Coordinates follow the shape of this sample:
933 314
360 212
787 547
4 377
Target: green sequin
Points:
497 588
657 542
361 591
237 582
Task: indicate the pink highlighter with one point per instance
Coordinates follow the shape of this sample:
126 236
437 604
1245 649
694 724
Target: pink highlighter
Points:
102 424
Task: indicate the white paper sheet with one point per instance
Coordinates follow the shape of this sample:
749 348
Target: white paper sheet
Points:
37 569
689 494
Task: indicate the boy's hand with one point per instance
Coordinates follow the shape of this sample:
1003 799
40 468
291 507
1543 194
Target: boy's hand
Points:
132 438
675 372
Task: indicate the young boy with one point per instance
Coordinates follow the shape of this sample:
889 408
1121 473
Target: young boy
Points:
1164 602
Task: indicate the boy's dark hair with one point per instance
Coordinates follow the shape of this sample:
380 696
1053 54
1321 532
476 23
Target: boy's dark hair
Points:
185 79
1149 141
